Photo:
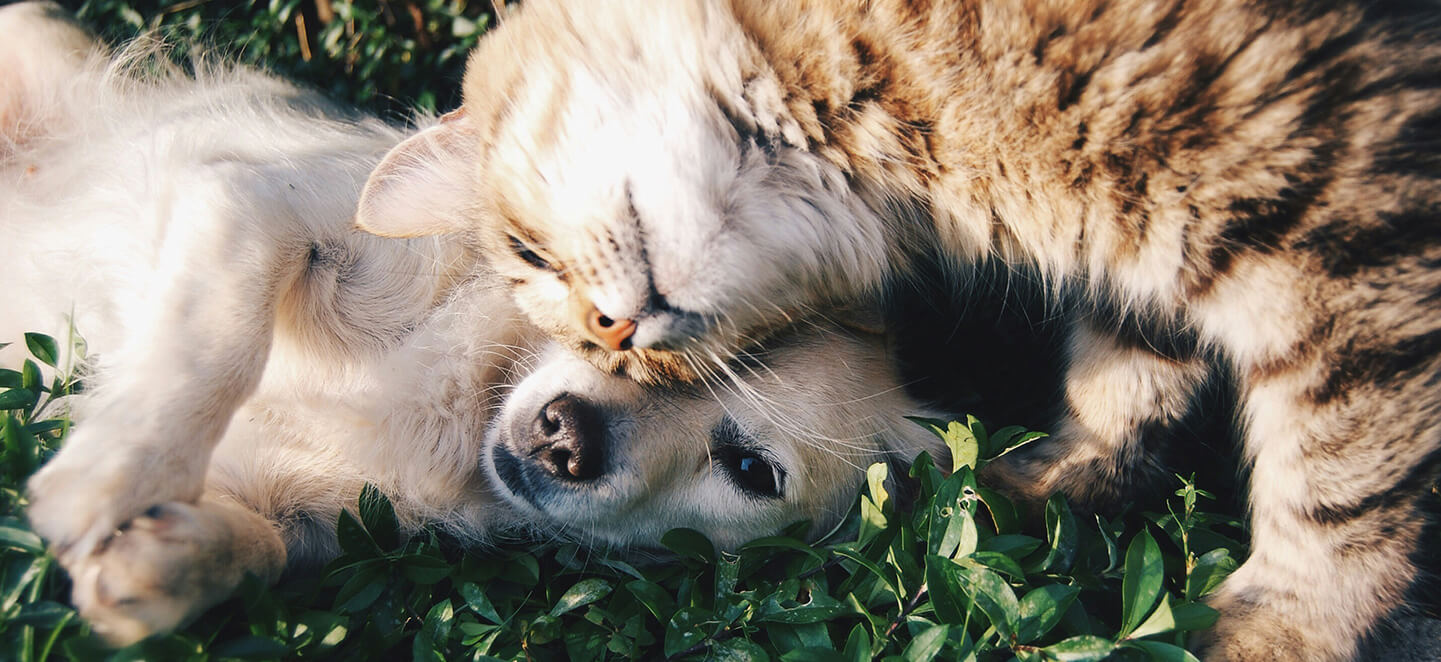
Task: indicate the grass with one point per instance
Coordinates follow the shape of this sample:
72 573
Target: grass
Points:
385 56
960 575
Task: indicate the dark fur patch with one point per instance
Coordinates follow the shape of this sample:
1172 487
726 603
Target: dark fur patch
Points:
1379 365
1403 493
1345 248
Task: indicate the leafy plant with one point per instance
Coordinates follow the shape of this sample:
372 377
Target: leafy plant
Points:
961 574
387 56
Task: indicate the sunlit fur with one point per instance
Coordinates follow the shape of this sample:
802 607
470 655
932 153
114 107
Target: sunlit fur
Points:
254 361
1225 182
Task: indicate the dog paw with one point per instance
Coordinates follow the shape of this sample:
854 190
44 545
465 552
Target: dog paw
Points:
163 568
80 498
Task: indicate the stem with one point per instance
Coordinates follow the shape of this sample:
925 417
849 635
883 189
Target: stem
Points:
914 602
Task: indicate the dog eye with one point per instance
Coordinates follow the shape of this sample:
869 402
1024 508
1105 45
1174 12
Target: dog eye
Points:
525 253
751 472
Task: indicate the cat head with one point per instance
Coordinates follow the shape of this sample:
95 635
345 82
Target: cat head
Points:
608 461
631 170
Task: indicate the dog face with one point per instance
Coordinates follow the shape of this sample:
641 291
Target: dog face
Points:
607 461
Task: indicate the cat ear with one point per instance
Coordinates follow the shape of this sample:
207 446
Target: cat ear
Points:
423 186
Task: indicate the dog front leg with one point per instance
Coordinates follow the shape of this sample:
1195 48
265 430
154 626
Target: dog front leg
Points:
194 351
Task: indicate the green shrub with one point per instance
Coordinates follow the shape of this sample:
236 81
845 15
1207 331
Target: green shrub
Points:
386 56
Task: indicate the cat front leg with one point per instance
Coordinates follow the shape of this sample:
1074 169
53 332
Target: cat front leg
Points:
196 349
1336 485
1117 391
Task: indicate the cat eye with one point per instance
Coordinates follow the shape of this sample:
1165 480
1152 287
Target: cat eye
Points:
524 252
745 467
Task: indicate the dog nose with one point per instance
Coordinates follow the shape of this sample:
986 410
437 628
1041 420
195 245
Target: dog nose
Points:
568 439
614 334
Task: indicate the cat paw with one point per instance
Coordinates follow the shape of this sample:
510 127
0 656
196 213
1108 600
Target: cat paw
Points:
158 571
1248 632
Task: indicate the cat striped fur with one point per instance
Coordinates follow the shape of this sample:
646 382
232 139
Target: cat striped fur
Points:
1251 185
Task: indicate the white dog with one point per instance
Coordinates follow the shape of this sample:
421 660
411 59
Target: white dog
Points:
254 360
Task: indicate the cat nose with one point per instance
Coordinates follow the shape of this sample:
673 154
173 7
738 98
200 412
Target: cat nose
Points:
567 439
614 334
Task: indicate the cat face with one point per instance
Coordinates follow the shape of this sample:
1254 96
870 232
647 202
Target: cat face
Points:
605 460
639 219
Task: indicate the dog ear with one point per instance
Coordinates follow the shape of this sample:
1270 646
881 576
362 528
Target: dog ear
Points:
423 186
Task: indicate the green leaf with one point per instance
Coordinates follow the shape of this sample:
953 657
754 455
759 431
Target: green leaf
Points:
581 594
993 596
621 566
1141 585
966 442
378 516
1193 616
353 537
821 607
1211 568
1016 546
690 544
21 449
43 347
251 647
1062 534
30 377
783 542
1083 648
9 378
16 398
657 600
866 563
44 614
424 569
737 650
1042 609
359 592
479 603
684 630
15 537
430 642
1158 622
18 577
858 645
1016 442
1157 650
525 570
810 654
926 645
876 484
1113 548
1000 563
1003 512
951 520
948 596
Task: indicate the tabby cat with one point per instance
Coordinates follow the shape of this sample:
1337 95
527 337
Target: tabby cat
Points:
1225 185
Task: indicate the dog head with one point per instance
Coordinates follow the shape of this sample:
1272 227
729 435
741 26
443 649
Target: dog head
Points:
785 436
